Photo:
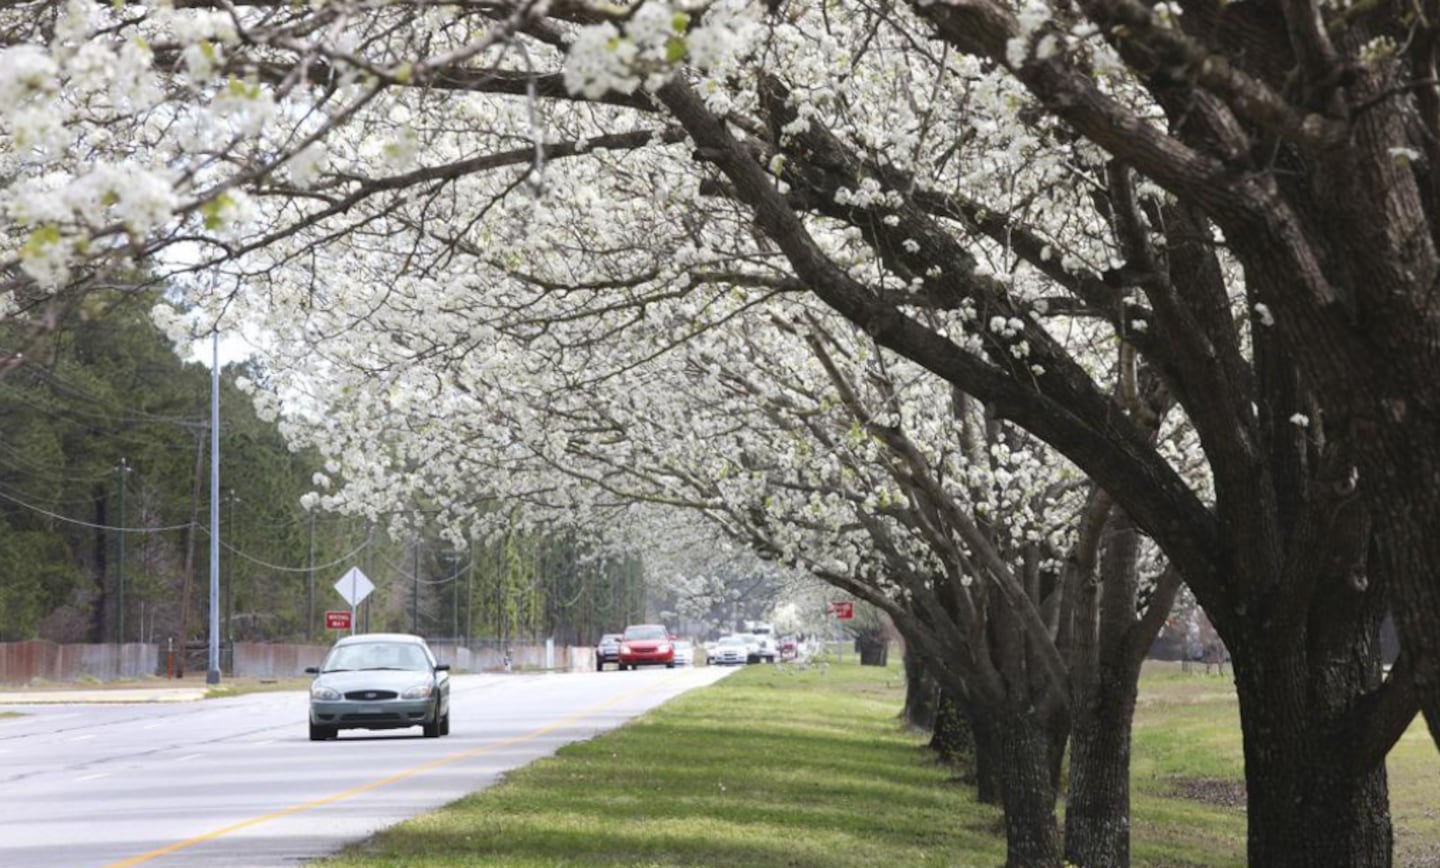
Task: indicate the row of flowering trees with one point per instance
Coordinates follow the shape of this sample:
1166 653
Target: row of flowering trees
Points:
1005 317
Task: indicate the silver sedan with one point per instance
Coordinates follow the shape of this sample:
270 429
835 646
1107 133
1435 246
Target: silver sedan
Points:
380 681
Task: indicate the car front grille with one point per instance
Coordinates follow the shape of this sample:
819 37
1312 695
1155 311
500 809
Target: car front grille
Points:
379 717
370 695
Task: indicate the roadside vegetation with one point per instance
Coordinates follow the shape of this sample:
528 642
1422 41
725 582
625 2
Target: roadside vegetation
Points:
807 766
100 435
229 686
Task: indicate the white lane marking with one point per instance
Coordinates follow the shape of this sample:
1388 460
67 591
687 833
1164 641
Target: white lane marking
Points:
190 757
82 737
153 726
93 777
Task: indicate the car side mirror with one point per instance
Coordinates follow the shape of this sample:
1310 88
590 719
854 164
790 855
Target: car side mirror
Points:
442 667
312 670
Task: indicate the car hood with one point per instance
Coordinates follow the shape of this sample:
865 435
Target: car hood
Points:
381 679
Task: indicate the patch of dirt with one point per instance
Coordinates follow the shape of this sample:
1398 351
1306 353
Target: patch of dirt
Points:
1229 794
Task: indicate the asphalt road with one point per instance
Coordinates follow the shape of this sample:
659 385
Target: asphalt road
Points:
236 782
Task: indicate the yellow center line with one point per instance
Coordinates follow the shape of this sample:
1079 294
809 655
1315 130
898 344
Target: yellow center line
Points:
361 789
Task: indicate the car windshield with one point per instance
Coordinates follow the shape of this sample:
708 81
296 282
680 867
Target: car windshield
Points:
633 633
376 655
610 637
682 646
732 640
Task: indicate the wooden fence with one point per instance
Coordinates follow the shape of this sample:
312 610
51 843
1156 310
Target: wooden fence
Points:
40 660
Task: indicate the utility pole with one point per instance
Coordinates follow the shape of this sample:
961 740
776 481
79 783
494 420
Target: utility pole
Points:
310 585
122 470
231 499
415 593
470 595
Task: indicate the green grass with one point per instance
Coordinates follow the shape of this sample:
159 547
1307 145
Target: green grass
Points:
1414 769
229 686
242 686
771 766
1187 763
781 766
1186 770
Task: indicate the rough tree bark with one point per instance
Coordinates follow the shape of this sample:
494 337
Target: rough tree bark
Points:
1104 687
1031 836
922 694
1245 557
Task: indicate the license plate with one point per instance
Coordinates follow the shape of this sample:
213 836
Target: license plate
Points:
369 709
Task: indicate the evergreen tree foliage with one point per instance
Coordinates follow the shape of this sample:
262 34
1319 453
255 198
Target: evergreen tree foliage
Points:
104 488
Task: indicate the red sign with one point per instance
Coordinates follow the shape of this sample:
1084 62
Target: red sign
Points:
844 609
337 620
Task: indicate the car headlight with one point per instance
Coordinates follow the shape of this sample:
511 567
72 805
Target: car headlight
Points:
663 648
624 649
327 694
419 691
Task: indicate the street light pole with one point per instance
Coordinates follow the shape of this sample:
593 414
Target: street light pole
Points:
212 674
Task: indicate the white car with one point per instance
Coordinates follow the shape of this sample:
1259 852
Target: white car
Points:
730 651
768 652
684 652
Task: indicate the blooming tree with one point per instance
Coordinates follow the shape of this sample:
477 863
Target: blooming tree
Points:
1000 193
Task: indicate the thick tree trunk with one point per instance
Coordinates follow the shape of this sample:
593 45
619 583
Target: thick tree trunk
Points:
922 694
952 737
1405 517
1030 831
1307 803
1097 807
100 603
989 762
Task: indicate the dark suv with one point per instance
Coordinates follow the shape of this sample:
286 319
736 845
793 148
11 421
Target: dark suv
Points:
607 650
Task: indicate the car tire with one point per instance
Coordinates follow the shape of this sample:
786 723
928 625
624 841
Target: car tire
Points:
322 733
670 665
445 724
432 729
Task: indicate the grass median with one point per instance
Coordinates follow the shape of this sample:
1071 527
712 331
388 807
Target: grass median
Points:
789 766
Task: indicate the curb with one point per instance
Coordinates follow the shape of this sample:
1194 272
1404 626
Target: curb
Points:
87 697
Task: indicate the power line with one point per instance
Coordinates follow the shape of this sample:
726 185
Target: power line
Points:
60 407
21 462
90 524
335 563
66 392
408 576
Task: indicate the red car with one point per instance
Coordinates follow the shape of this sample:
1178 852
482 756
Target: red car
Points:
646 645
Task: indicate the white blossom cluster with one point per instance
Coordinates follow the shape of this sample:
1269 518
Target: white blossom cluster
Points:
651 43
448 309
